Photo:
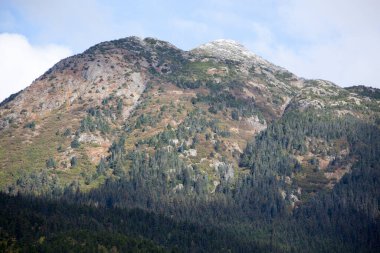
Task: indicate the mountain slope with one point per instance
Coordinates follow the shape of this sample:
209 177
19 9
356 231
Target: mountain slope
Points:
215 136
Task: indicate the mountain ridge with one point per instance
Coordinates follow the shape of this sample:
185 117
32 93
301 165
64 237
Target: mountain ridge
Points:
227 45
126 66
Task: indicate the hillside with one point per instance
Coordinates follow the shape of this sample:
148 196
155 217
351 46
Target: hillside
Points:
215 137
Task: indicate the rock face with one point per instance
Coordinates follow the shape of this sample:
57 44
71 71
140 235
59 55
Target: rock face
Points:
216 97
230 50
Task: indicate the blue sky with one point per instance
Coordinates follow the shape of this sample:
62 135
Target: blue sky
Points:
335 40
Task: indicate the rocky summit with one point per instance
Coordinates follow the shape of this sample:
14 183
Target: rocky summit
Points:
212 149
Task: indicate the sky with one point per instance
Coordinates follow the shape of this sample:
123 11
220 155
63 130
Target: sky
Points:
335 40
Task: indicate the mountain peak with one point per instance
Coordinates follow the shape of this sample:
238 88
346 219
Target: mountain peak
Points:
224 43
228 49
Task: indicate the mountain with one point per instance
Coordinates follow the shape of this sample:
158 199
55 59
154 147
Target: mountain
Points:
212 149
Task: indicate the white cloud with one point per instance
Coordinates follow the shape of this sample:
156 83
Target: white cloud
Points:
315 19
336 40
21 62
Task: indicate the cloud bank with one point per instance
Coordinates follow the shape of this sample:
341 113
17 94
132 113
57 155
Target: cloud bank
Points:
21 62
336 40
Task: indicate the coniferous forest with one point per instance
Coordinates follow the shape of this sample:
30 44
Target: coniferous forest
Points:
140 211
